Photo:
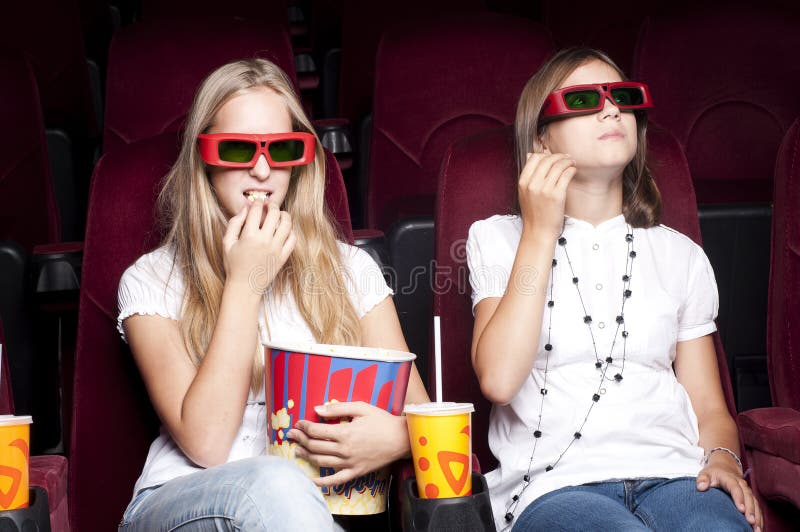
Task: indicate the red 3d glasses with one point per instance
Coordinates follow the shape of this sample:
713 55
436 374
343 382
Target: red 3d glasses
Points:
241 150
585 99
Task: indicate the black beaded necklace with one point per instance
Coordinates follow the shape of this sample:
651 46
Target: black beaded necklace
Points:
601 365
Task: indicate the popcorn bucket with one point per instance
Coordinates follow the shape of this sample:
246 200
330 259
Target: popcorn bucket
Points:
300 377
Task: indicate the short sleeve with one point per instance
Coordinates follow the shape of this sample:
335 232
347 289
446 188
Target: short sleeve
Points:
365 281
488 274
701 304
149 287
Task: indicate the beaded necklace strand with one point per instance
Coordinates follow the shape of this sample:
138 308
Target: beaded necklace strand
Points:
602 366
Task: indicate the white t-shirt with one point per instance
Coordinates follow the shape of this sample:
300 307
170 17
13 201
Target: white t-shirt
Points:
643 426
152 286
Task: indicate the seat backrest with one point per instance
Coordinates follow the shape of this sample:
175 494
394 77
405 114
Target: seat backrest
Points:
113 423
154 68
28 211
783 323
722 85
362 24
477 180
49 31
437 82
175 9
612 30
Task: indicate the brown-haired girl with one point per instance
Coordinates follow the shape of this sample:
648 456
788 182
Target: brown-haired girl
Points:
593 328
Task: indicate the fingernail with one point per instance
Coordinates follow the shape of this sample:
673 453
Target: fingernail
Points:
702 485
320 409
528 155
741 506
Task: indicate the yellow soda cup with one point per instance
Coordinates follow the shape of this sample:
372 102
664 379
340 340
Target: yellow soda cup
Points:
441 446
14 458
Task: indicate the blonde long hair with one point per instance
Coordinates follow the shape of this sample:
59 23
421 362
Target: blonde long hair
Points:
641 200
195 224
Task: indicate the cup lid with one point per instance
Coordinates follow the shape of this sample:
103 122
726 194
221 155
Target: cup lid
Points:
345 351
439 409
8 420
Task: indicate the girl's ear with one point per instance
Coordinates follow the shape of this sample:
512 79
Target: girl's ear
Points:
540 144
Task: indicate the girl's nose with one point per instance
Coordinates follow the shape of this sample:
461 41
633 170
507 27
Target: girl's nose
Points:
609 110
261 169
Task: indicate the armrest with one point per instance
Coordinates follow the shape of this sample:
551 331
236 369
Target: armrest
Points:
774 431
334 133
373 242
56 270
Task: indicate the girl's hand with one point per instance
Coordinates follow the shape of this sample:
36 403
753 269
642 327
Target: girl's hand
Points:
543 191
255 253
725 474
372 439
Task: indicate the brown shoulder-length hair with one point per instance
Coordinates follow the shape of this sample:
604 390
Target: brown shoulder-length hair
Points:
641 200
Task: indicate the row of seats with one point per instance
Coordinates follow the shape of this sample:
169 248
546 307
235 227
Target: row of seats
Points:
435 81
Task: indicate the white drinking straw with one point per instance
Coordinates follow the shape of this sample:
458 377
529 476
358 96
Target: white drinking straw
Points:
437 345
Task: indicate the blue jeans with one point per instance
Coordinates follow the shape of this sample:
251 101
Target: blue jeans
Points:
260 493
643 504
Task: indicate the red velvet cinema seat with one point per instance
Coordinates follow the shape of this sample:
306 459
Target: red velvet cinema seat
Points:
477 180
724 84
28 210
113 423
772 435
153 68
436 82
47 471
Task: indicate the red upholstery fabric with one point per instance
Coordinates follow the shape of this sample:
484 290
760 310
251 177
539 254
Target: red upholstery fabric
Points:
28 211
772 435
436 83
154 68
49 31
783 324
477 180
50 472
108 392
722 85
363 23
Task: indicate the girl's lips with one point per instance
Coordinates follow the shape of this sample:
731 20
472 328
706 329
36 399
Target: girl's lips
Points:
611 135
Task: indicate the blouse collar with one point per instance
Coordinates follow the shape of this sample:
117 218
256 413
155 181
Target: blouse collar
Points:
608 225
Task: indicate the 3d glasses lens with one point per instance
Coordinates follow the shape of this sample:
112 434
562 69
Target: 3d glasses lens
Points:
236 151
286 150
585 99
627 96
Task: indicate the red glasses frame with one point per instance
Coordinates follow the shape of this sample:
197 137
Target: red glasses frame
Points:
555 104
208 146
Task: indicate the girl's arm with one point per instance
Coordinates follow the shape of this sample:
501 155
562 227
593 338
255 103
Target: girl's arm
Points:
202 407
506 333
697 370
374 437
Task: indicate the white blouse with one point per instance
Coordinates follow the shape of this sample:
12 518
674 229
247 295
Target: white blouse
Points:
643 426
152 286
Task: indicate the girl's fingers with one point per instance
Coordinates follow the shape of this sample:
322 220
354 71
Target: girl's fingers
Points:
565 178
544 167
320 460
288 246
234 227
253 219
555 173
340 477
314 446
272 219
284 226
